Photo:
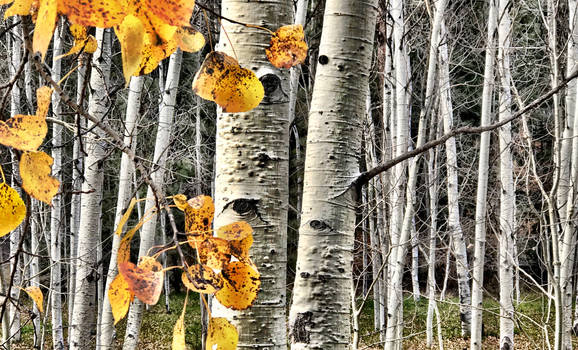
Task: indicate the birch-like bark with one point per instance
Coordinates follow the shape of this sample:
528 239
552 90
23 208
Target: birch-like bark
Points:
319 316
124 191
35 229
433 186
83 321
507 195
162 143
57 223
482 189
252 167
454 225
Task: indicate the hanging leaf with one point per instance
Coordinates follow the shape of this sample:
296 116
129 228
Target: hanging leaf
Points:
82 41
241 284
179 330
199 213
35 168
189 40
35 293
120 296
180 201
214 252
26 132
125 217
221 335
44 28
94 13
145 281
204 280
240 238
173 12
130 34
123 254
232 87
19 7
12 209
287 47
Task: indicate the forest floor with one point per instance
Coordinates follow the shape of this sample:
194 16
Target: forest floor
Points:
157 328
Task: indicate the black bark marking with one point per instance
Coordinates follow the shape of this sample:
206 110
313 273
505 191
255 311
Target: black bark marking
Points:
300 332
323 59
244 206
318 225
507 344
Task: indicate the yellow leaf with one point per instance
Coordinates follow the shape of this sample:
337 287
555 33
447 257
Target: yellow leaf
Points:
204 279
35 168
222 334
94 13
45 23
241 284
130 33
145 281
214 252
173 12
26 132
199 212
179 330
287 47
240 238
19 7
120 297
12 209
82 41
35 294
232 87
125 217
123 254
189 40
180 201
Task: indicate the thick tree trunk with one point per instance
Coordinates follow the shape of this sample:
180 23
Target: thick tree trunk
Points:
123 198
319 316
162 143
252 167
57 224
482 190
84 317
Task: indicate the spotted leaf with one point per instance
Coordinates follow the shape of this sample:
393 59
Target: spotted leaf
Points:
204 280
35 168
241 284
12 209
287 47
145 281
120 296
221 335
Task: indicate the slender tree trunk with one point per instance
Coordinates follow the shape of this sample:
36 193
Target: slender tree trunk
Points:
482 190
84 318
35 229
256 144
507 196
57 225
454 225
319 316
433 186
123 198
162 143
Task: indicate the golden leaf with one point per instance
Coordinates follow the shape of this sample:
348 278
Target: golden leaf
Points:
214 252
173 12
145 281
130 33
189 40
35 168
44 29
125 217
240 238
199 213
35 294
120 297
179 331
287 47
19 7
232 87
94 13
241 284
222 334
82 41
204 280
12 209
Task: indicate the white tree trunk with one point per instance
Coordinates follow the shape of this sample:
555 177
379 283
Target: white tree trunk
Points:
454 225
252 167
84 317
319 316
124 191
482 189
507 195
57 224
162 143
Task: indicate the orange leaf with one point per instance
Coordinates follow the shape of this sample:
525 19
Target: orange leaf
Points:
45 23
240 287
120 296
26 132
287 47
204 280
12 209
173 12
130 33
222 334
189 40
232 87
35 294
35 168
240 237
94 13
145 281
214 252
